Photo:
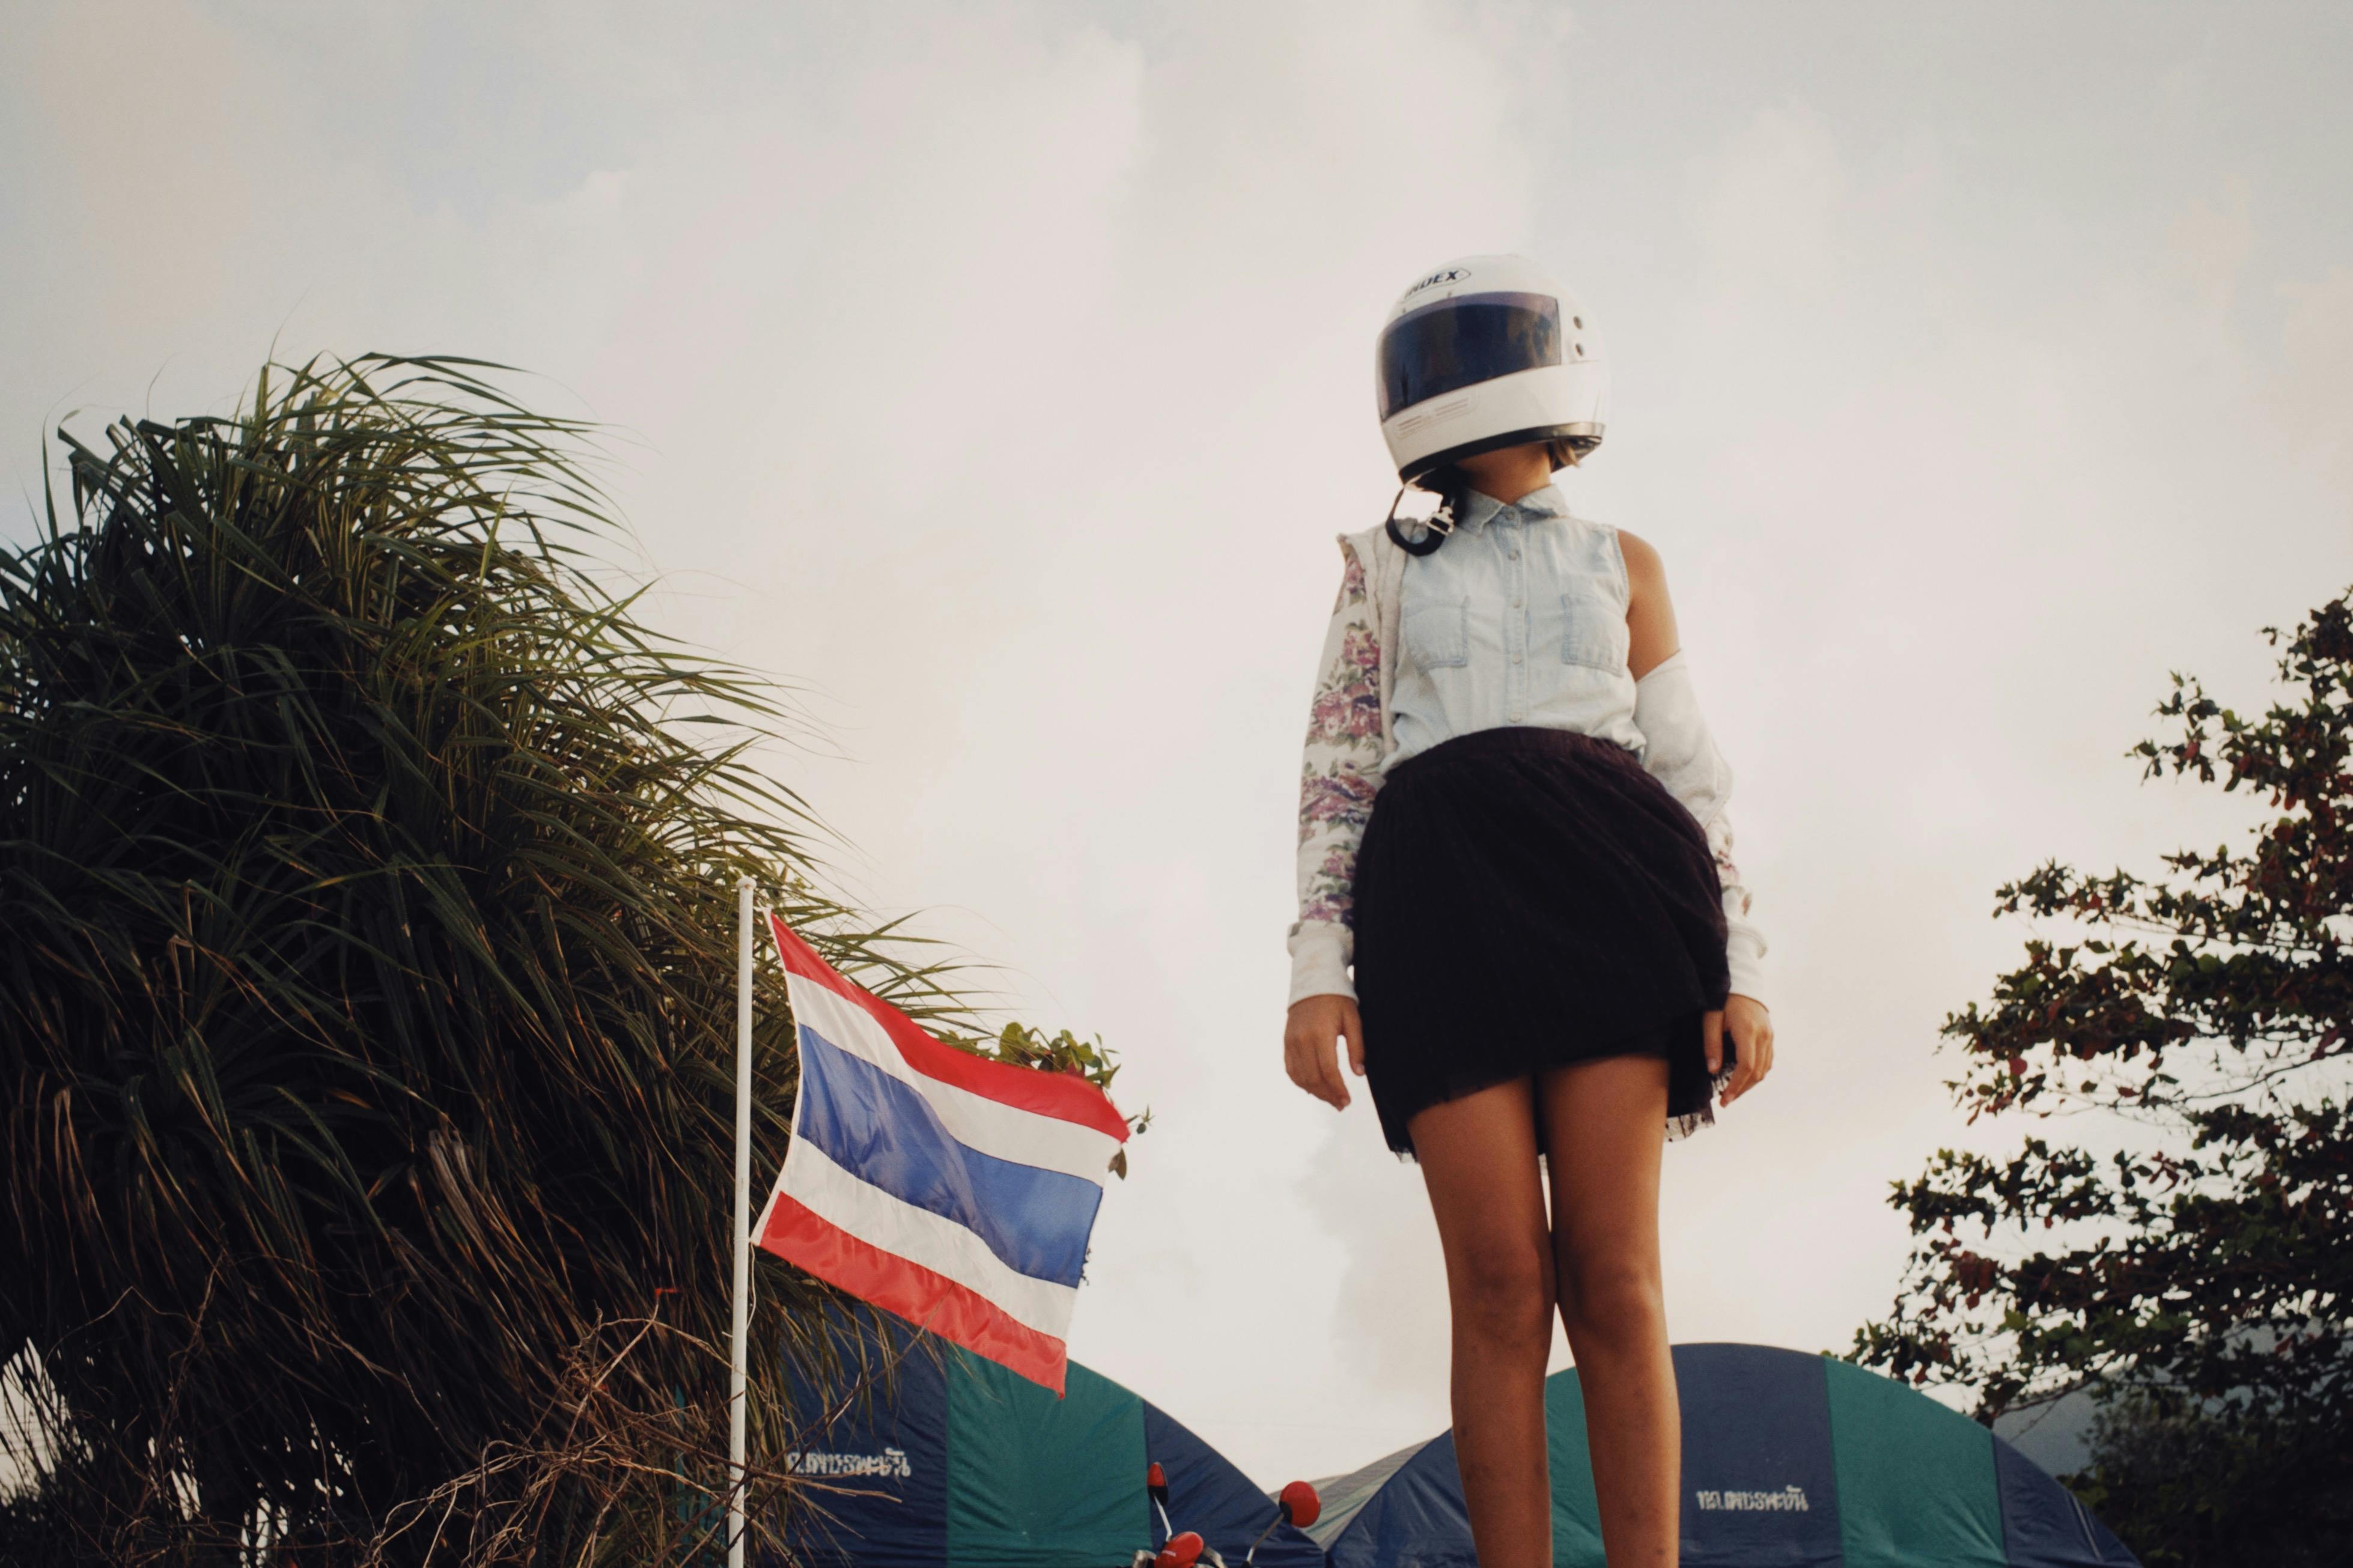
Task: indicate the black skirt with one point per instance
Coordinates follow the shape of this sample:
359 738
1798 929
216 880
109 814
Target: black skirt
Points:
1527 899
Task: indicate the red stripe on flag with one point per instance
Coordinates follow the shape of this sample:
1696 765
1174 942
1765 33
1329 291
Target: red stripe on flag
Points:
954 1313
1059 1095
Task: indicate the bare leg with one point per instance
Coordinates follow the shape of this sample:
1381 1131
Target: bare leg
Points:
1604 1128
1478 1157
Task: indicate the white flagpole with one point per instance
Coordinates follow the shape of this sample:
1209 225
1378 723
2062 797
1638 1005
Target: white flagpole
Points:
741 1235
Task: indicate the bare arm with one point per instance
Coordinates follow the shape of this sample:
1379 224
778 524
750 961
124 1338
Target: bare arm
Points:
1651 640
1650 612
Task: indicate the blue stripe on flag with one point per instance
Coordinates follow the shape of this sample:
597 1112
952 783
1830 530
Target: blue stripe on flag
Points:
885 1133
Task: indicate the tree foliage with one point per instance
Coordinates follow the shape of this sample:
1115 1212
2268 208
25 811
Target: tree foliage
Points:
2195 1269
1018 1045
368 878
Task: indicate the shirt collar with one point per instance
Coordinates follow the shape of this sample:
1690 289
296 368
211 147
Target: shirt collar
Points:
1477 508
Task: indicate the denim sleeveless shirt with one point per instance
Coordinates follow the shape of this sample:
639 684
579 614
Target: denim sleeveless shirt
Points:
1519 618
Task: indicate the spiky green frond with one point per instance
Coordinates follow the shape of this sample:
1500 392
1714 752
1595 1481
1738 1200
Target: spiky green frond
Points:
367 952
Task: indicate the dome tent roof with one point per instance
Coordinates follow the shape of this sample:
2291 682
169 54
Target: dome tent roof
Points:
1789 1458
945 1460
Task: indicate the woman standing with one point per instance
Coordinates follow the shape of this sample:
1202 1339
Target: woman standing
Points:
1511 820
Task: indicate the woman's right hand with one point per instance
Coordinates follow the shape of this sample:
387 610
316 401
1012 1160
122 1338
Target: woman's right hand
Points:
1311 1038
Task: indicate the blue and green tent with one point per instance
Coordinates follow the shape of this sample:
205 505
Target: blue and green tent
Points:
1789 1462
946 1460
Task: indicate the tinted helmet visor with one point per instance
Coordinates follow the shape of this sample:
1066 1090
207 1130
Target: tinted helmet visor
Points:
1459 342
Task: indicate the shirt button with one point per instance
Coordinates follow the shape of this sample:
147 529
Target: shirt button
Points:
1516 603
1516 555
1515 659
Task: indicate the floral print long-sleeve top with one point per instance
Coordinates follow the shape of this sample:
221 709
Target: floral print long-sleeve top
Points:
1348 742
1342 763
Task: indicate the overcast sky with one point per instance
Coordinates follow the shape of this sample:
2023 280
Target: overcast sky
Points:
1001 374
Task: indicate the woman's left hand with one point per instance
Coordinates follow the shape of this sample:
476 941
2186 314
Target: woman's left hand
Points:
1752 1041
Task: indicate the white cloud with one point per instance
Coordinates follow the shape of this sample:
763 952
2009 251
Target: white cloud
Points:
2313 398
1769 205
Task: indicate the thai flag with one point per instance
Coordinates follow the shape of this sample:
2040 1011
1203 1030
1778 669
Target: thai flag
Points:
955 1191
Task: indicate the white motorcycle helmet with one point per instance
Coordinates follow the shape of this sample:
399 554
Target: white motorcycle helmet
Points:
1485 353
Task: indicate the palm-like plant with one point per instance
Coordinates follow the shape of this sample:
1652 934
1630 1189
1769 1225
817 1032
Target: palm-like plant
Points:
366 923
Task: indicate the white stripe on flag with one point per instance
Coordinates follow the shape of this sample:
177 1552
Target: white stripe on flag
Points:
1024 1137
919 1235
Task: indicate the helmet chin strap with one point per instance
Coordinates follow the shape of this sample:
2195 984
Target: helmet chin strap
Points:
1440 528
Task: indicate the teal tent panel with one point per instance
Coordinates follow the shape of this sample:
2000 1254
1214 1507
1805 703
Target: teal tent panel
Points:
1915 1481
1576 1515
1040 1482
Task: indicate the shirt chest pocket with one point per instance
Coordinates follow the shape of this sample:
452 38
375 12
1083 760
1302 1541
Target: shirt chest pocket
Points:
1438 636
1593 627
